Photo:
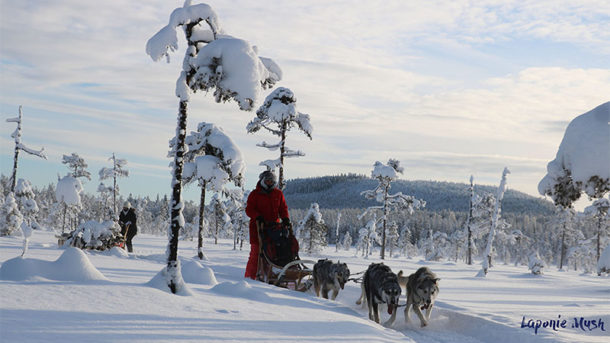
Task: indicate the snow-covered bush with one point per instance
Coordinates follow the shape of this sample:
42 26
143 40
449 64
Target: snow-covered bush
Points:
536 265
10 216
95 235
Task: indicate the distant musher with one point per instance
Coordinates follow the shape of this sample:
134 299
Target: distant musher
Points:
128 223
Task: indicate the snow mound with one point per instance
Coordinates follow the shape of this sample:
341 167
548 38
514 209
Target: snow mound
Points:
159 281
118 252
72 265
241 289
194 272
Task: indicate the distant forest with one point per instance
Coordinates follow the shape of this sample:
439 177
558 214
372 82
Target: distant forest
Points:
343 191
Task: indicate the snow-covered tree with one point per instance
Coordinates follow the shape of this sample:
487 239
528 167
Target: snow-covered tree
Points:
563 221
346 243
20 147
228 66
427 245
337 232
77 165
191 231
67 193
385 174
494 222
603 265
219 219
458 237
278 115
392 237
105 195
469 220
535 264
367 236
117 170
10 217
599 211
407 248
520 242
363 242
235 205
582 163
581 253
27 205
212 159
311 231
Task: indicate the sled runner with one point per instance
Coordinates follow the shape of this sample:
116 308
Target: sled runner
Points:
278 262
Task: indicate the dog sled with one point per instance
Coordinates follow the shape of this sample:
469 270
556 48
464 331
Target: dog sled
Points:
278 262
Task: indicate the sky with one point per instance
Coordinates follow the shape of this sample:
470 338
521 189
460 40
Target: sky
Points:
448 88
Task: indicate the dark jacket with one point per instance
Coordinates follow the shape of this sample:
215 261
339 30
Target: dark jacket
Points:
129 217
271 205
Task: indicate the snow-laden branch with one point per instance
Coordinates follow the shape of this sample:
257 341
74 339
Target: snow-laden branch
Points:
271 164
166 40
271 147
231 68
40 153
293 153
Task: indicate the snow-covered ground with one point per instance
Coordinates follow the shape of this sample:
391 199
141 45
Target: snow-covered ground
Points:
63 295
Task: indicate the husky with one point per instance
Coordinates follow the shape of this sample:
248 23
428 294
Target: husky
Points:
380 285
422 289
329 276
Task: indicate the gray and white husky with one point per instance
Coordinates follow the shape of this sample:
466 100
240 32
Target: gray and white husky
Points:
329 276
422 289
380 286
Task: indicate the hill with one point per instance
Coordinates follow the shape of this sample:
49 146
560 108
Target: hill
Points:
343 191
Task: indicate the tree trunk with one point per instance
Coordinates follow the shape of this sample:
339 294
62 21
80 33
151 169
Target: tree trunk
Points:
216 228
385 219
173 271
201 221
310 239
494 221
114 213
16 158
281 182
14 176
63 225
563 248
469 256
599 234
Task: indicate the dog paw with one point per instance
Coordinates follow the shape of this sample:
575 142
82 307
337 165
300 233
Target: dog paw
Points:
424 324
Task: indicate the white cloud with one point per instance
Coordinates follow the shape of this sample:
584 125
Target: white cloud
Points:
404 79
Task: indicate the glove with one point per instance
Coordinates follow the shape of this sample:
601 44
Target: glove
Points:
286 223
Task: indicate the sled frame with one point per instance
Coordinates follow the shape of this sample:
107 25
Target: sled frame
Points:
294 275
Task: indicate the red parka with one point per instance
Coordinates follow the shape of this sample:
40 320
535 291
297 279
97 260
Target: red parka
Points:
271 205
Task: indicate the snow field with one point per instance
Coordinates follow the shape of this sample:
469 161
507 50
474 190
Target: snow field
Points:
61 297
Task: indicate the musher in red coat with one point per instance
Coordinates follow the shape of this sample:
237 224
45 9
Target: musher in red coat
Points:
265 204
